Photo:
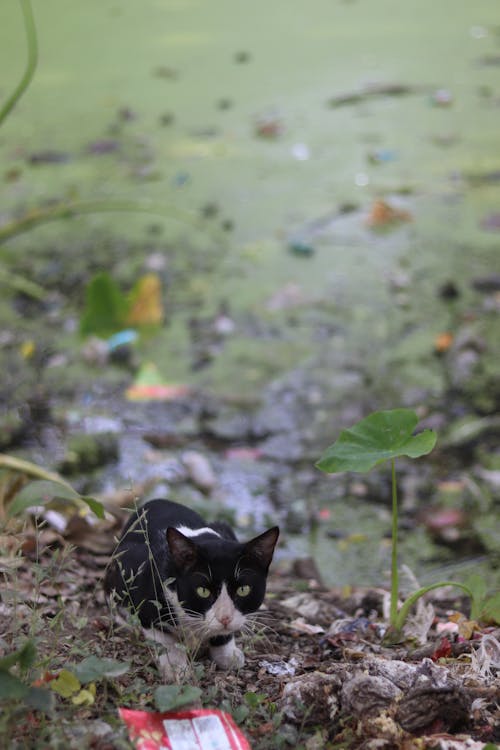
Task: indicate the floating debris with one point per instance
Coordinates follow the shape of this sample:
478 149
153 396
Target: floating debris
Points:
487 284
242 57
146 307
382 215
373 91
269 127
150 386
49 156
199 470
382 156
442 98
443 342
102 147
491 222
301 151
167 72
300 248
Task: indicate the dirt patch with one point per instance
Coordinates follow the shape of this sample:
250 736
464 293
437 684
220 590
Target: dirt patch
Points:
318 671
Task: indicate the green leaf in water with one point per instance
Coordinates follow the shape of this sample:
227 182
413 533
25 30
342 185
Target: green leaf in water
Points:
381 436
106 307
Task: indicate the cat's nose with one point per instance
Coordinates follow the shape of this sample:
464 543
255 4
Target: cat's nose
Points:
225 620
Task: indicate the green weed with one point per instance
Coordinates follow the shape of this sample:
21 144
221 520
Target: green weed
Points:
385 436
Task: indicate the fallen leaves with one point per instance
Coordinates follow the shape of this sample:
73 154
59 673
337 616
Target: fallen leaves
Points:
146 307
382 215
443 342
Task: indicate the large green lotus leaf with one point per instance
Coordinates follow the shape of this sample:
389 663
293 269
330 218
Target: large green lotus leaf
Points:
381 436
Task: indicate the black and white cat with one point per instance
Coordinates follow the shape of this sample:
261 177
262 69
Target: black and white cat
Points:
189 582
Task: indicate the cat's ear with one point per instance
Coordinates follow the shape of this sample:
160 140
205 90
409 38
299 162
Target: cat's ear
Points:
183 551
262 546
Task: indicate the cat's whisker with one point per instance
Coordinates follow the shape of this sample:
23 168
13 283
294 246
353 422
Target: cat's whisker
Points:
256 628
252 637
263 614
262 618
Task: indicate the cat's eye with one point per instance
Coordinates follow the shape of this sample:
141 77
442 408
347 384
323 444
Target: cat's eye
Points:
203 592
243 590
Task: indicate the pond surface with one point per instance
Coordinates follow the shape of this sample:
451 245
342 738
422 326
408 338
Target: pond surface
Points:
275 128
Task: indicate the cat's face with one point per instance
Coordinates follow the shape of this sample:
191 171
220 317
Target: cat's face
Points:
219 582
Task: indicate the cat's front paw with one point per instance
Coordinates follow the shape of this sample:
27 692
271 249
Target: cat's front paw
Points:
228 656
174 666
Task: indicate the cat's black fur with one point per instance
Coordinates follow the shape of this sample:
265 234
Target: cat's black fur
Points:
158 572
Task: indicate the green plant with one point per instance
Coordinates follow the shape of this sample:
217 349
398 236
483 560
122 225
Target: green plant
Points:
31 62
383 436
46 486
15 679
173 697
485 607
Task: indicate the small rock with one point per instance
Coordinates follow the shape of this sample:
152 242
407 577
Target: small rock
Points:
368 695
199 470
306 567
421 707
449 290
487 284
305 604
287 448
297 518
95 352
11 428
89 452
316 688
280 668
229 425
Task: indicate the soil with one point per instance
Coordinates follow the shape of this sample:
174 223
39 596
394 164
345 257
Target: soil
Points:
319 671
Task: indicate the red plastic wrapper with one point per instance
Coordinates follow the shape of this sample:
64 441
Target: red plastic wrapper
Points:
198 729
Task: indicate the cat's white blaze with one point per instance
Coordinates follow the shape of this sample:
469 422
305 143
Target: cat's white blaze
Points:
195 532
223 616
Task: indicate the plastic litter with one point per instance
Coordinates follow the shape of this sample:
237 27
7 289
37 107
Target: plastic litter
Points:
196 729
150 386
